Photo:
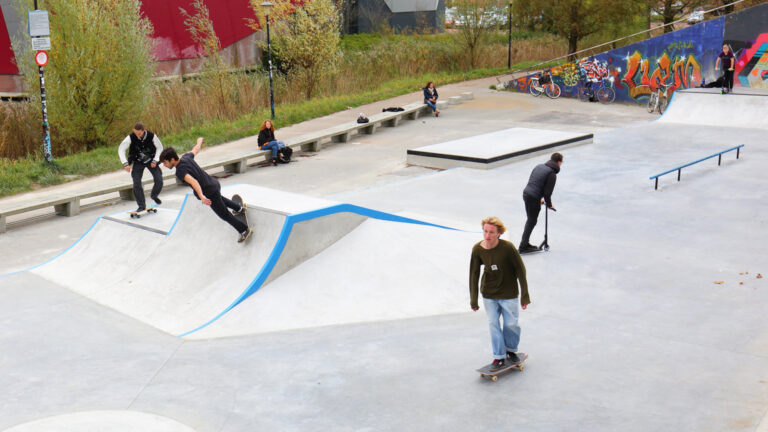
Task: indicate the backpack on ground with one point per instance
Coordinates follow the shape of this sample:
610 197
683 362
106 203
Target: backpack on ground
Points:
284 154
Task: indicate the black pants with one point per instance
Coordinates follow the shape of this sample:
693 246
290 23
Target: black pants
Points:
220 204
532 209
728 81
137 172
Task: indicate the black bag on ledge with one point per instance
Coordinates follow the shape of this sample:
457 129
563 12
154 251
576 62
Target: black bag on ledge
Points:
284 154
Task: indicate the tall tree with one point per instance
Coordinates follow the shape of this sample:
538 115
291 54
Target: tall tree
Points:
98 73
477 19
574 20
305 37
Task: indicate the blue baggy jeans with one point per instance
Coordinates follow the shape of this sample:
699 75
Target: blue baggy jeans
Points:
504 337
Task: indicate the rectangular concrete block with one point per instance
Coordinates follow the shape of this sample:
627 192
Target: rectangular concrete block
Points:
394 121
68 209
342 138
454 100
237 167
467 96
127 194
370 129
313 146
442 104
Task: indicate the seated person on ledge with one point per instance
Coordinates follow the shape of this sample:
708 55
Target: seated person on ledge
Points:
267 140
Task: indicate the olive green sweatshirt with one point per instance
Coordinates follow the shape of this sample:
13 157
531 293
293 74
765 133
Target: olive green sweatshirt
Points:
503 268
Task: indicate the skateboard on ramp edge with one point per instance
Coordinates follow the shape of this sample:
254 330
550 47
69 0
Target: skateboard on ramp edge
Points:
486 372
242 217
148 210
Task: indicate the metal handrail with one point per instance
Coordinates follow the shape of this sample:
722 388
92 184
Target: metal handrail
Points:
680 168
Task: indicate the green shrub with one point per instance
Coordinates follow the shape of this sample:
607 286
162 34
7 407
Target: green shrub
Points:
98 73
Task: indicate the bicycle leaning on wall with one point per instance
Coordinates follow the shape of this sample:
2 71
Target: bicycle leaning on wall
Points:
596 82
658 100
544 84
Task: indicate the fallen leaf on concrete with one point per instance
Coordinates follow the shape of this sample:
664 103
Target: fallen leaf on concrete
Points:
719 282
759 276
741 282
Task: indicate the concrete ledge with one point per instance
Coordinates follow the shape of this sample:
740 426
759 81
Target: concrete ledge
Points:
494 149
467 96
454 100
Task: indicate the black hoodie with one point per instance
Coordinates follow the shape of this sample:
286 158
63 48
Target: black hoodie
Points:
542 182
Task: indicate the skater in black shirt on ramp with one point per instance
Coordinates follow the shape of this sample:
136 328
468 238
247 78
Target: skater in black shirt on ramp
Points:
206 188
541 184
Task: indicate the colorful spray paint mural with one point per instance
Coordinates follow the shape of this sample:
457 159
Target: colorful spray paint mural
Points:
747 34
681 59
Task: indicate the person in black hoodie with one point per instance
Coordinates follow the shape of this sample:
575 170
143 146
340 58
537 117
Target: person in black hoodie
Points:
267 140
541 184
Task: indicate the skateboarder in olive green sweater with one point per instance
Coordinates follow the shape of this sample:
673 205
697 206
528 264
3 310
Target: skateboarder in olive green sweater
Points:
503 268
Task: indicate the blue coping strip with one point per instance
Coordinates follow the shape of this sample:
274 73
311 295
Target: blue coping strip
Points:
290 220
178 215
669 104
57 256
694 162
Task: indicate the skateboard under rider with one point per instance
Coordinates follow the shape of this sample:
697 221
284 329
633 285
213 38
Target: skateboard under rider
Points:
243 216
137 214
493 375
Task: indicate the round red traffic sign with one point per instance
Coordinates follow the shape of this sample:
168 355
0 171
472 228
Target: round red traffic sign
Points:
41 58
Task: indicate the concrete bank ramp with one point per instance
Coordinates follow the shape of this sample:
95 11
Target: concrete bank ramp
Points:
183 279
380 271
186 270
744 108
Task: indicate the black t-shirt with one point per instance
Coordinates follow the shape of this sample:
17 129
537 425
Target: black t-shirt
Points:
727 59
187 165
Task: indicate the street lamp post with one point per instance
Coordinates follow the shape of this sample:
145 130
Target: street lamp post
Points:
267 6
509 40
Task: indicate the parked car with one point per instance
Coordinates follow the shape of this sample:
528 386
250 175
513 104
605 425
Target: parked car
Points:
696 16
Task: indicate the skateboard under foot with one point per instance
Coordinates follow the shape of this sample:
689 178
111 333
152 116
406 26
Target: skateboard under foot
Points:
487 373
138 214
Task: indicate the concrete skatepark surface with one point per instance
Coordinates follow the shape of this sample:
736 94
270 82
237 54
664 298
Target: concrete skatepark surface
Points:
628 329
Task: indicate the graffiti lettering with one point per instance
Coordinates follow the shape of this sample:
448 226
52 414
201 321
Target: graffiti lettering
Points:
680 45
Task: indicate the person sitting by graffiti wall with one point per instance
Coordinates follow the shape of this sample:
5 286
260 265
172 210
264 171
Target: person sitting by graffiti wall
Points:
728 63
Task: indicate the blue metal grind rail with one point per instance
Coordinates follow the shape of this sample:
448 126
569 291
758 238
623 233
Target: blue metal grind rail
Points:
680 168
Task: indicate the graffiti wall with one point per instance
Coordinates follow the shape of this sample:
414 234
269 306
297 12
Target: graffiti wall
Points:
681 59
747 34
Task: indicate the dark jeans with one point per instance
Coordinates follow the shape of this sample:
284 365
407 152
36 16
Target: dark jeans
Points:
137 172
728 81
220 204
532 209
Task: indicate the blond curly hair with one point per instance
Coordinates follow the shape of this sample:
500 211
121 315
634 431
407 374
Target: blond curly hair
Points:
493 220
